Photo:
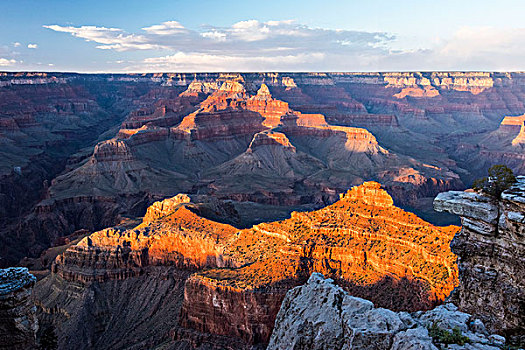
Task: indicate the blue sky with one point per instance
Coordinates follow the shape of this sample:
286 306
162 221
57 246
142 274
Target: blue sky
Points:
286 35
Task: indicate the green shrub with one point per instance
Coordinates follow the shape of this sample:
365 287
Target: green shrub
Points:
500 178
443 336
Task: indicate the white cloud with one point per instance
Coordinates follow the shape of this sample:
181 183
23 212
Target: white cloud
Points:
6 62
251 30
214 35
245 37
215 63
110 38
287 45
165 28
32 46
17 44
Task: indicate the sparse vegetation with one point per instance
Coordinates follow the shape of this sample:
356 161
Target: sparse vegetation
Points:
499 179
443 336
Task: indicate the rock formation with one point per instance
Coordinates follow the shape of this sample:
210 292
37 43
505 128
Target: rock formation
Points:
321 315
370 247
18 322
491 256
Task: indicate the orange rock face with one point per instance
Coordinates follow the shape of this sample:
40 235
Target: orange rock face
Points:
427 91
365 243
270 108
514 121
520 139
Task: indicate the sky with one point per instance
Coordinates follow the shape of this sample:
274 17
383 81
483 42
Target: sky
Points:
264 35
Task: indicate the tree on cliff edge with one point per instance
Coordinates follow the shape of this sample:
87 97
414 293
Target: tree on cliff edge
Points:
500 178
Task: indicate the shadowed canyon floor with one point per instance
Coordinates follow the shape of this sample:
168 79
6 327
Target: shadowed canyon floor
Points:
223 281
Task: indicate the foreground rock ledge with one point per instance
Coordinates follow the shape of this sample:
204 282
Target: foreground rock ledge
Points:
321 315
491 256
18 323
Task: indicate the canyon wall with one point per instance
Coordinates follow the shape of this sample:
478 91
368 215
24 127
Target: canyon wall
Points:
491 256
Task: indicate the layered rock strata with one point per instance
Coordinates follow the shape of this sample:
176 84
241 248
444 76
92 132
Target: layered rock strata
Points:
219 140
18 322
321 315
491 256
369 246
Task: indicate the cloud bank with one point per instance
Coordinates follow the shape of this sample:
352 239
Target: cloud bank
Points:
253 45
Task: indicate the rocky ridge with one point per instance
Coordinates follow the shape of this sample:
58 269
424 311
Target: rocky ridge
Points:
18 322
491 256
321 315
371 248
520 139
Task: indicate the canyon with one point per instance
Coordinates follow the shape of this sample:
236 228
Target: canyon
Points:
84 152
185 211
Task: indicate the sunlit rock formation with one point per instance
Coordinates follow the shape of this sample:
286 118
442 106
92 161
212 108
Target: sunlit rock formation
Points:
520 139
18 322
370 247
491 256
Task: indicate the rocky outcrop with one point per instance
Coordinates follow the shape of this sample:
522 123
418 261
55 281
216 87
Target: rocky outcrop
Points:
18 322
370 247
321 315
112 151
270 108
243 313
491 256
512 123
197 88
186 241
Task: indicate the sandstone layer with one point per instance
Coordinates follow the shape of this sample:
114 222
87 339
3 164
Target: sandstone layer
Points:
321 315
491 256
18 322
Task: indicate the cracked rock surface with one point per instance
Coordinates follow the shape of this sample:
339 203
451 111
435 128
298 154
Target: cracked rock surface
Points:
18 323
491 257
321 315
